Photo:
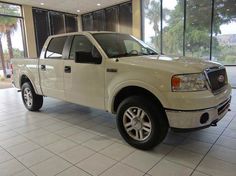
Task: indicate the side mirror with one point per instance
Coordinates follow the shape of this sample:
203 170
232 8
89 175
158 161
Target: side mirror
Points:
93 57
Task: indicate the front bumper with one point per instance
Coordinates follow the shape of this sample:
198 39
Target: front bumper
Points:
191 119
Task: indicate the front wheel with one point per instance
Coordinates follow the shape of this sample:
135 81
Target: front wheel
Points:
31 100
142 123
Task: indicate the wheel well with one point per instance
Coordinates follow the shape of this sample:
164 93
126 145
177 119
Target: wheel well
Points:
24 79
131 91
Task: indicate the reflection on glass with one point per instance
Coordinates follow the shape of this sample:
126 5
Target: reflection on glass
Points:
198 28
173 25
9 9
152 21
224 32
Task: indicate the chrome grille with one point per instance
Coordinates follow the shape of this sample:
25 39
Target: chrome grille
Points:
217 78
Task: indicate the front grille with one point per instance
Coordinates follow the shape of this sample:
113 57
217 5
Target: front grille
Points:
217 78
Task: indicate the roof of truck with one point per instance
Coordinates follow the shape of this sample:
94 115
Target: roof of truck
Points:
84 32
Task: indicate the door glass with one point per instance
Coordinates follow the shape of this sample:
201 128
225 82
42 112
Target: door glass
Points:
81 44
55 47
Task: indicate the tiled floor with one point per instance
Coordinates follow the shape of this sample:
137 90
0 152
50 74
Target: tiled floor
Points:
70 140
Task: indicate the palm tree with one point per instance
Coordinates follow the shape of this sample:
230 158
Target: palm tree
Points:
7 26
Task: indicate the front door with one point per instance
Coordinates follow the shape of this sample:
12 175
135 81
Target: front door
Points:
84 82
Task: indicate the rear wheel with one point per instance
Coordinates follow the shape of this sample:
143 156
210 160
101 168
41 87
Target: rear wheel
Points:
32 101
142 123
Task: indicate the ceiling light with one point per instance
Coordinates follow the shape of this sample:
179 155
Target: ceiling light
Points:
42 3
78 11
98 4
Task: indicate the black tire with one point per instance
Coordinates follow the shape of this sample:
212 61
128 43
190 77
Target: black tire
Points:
154 114
37 100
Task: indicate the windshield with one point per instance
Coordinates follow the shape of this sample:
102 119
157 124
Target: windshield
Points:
122 45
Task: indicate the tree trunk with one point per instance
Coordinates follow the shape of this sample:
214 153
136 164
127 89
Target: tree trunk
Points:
2 58
9 44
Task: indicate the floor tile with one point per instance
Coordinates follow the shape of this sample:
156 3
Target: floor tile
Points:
122 170
195 146
204 137
145 160
22 148
216 167
73 171
117 151
35 157
227 142
35 133
12 141
223 153
196 173
10 167
50 167
68 131
184 157
98 143
47 139
7 134
5 156
25 172
81 137
77 154
96 164
61 146
56 126
168 168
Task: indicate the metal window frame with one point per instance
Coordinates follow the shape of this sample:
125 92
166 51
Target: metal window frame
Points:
22 25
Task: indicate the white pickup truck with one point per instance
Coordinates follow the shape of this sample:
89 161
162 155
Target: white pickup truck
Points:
118 73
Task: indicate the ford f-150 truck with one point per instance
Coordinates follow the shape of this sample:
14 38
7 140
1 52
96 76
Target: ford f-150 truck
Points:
149 92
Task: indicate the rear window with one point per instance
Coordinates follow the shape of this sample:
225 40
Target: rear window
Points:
55 47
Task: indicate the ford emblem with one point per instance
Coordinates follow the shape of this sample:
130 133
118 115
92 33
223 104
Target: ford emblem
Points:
221 78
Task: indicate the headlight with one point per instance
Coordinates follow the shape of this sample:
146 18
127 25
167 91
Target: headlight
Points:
188 82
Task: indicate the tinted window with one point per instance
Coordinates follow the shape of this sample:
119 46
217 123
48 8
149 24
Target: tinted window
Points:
80 44
55 47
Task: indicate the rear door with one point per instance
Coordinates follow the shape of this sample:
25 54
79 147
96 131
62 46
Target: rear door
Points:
51 68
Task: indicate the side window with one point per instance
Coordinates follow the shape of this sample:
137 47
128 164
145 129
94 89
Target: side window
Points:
55 47
81 44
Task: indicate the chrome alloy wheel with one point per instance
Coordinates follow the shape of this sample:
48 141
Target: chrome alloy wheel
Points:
28 98
137 123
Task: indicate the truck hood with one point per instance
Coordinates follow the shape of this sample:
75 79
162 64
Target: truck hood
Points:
173 64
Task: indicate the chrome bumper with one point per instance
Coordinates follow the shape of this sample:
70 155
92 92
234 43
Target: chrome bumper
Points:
190 119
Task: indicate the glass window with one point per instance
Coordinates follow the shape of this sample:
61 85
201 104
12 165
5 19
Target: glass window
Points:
11 36
57 24
173 26
198 28
112 19
41 26
224 32
152 21
125 15
99 21
81 44
56 47
71 23
122 45
87 22
10 9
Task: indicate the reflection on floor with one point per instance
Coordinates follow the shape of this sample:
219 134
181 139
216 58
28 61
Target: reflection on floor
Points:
70 140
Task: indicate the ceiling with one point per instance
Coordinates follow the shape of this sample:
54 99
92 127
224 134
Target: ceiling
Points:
70 6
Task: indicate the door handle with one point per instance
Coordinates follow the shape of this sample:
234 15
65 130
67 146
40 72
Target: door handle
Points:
67 69
43 67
